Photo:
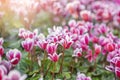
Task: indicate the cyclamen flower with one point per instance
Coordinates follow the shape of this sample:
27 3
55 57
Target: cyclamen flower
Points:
95 39
5 66
51 48
117 68
26 33
1 41
66 42
97 50
28 44
86 15
77 52
110 47
14 75
14 56
81 76
39 38
1 50
1 74
42 44
72 23
89 56
85 39
54 57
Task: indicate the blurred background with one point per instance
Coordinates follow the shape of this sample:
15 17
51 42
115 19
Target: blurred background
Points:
41 14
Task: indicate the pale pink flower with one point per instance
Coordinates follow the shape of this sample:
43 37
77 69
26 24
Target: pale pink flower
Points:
1 41
81 76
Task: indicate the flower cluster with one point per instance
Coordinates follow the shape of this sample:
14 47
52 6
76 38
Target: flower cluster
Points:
6 72
114 59
6 66
90 10
86 40
79 35
48 44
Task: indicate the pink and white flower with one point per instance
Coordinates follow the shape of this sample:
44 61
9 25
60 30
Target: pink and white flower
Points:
51 48
66 42
28 44
54 57
14 56
77 52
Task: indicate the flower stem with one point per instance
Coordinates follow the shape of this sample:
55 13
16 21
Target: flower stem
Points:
53 73
44 57
60 71
47 70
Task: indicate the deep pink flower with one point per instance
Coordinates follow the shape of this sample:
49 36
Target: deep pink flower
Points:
14 56
117 68
28 44
117 71
1 50
95 39
97 49
51 48
110 47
